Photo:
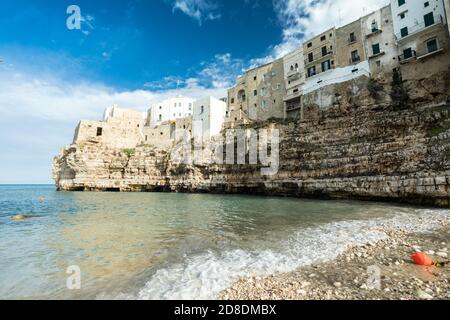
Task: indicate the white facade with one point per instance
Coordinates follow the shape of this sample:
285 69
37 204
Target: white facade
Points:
294 69
379 40
411 14
170 110
335 76
208 118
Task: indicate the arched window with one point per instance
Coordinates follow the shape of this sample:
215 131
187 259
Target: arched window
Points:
292 68
241 96
296 66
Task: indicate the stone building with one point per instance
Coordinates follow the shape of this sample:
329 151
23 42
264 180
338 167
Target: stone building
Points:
258 94
161 136
294 74
320 53
350 44
380 42
120 128
420 29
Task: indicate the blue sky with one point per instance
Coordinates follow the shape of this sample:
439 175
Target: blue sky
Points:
132 53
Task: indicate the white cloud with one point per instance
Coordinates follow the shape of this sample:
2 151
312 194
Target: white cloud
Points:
218 74
303 19
198 10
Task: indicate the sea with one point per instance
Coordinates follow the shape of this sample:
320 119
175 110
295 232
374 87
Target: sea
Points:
168 246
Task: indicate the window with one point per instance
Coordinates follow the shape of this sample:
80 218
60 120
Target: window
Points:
404 32
401 2
264 104
324 51
429 19
263 92
311 71
326 65
160 107
232 100
432 45
402 15
179 105
352 37
254 78
309 45
202 109
323 38
292 68
99 131
255 92
296 66
355 56
374 26
407 53
376 49
160 117
426 4
310 57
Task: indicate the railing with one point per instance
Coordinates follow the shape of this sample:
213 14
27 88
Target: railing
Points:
292 95
293 75
438 19
318 56
430 50
404 58
373 32
355 59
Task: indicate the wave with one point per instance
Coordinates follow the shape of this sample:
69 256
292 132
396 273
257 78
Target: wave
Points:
203 276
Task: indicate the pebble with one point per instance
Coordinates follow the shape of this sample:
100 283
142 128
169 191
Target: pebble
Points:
423 295
430 252
442 254
337 284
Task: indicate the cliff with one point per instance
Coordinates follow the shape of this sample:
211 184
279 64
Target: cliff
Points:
388 142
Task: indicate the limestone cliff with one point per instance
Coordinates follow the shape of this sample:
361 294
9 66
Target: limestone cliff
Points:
367 146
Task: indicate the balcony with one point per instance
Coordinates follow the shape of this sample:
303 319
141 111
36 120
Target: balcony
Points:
318 56
292 96
407 57
293 75
436 21
374 32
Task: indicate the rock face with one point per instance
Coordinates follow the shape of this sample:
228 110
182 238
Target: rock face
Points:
360 148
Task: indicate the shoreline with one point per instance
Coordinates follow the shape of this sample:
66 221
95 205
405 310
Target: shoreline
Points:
353 274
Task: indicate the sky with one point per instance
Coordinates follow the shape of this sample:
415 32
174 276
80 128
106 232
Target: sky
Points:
132 53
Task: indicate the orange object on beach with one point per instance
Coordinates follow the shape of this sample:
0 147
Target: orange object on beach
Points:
422 259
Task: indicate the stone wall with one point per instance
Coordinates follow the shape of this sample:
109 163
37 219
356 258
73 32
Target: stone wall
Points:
359 148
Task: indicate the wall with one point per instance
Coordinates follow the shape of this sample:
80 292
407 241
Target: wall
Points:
208 118
345 46
161 136
332 94
121 128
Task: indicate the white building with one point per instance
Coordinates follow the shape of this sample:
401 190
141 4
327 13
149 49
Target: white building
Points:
294 75
208 118
418 27
170 110
380 43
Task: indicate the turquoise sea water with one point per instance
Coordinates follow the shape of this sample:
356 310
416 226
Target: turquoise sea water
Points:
173 246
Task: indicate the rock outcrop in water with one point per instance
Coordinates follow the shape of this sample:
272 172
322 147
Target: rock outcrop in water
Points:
366 147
